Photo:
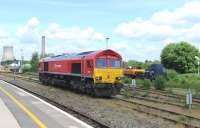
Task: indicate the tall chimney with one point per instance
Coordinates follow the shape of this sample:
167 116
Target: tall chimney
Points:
43 47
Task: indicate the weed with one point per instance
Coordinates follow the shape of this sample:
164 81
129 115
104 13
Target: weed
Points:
160 83
146 84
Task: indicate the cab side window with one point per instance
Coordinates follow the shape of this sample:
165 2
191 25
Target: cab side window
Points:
89 64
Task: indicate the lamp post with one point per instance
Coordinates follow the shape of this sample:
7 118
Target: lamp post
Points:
107 38
22 58
198 62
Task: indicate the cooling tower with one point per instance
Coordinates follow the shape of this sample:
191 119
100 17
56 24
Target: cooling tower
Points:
8 53
43 47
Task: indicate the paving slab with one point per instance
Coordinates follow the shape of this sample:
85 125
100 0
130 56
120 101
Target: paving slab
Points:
33 112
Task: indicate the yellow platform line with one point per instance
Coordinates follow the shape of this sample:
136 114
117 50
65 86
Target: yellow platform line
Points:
24 109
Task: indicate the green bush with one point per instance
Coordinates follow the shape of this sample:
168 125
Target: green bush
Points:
160 83
34 62
172 84
171 74
126 80
197 91
146 84
186 81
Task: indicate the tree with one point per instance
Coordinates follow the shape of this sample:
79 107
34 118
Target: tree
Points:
180 57
135 63
47 55
144 65
148 63
34 62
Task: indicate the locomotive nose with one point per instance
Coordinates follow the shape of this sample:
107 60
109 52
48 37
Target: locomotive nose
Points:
108 75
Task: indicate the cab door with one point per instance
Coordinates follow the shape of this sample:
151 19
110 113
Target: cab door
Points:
89 67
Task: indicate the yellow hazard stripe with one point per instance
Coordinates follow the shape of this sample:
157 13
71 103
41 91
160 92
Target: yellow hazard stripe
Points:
24 109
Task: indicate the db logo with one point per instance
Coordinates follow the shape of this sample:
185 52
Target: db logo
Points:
57 65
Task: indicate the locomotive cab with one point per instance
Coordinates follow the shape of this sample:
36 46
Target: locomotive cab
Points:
108 71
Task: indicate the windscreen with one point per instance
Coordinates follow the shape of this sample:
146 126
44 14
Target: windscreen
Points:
101 63
115 64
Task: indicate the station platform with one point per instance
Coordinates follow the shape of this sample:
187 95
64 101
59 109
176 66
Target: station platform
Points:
20 109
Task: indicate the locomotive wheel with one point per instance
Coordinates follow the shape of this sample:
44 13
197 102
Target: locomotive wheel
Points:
43 82
102 92
73 85
52 82
89 88
47 81
82 88
42 79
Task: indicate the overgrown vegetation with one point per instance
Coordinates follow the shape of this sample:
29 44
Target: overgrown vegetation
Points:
146 84
127 92
34 62
144 65
171 74
126 80
174 80
159 83
185 81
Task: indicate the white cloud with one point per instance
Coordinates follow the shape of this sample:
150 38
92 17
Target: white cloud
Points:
120 46
29 33
139 29
180 24
188 13
75 34
150 35
3 34
71 39
142 40
59 38
136 51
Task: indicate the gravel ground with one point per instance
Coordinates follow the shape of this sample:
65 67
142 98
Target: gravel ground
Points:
109 111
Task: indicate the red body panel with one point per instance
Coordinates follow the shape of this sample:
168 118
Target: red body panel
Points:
41 67
64 65
59 66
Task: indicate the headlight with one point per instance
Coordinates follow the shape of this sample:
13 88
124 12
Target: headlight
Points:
118 78
98 78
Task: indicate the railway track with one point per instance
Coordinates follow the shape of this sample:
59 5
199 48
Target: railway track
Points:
161 101
167 94
84 117
186 120
175 117
157 92
162 98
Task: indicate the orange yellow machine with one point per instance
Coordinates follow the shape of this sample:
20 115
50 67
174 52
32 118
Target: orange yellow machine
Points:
134 72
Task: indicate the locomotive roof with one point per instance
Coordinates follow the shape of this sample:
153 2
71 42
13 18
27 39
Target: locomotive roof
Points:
74 55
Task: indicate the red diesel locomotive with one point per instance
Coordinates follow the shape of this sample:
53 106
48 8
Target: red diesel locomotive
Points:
95 72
